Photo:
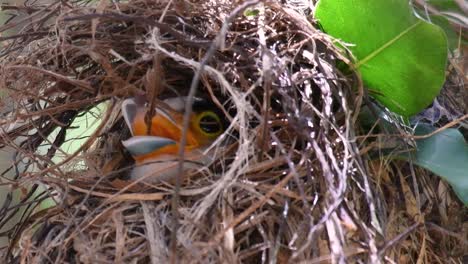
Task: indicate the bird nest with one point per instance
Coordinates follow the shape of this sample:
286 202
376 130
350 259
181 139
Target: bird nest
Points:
291 179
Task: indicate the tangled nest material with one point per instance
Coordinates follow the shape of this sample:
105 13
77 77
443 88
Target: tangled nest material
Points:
293 181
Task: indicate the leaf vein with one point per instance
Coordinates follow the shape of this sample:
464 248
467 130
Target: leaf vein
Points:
386 45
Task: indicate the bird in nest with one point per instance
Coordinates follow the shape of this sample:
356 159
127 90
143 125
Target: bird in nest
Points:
156 150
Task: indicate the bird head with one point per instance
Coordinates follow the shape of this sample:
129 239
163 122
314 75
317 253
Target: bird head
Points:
155 148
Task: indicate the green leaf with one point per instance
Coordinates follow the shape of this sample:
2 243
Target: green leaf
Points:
250 12
400 57
445 5
445 154
455 38
452 36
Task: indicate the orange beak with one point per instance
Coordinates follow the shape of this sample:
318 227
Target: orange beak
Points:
163 138
167 130
155 145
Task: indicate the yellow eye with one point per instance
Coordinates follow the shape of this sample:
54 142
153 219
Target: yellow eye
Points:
209 123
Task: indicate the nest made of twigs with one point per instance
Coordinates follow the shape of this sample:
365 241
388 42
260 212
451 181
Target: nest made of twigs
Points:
292 182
